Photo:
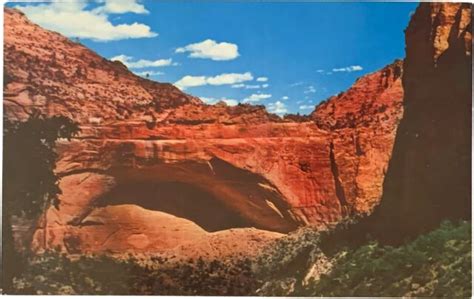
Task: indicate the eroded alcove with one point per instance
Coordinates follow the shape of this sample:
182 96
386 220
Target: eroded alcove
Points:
180 199
213 194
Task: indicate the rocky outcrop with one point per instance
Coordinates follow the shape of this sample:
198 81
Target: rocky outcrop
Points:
361 124
429 176
147 149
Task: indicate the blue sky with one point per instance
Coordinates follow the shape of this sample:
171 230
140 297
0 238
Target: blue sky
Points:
287 56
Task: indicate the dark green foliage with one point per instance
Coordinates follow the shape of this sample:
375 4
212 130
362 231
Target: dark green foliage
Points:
199 277
284 265
53 273
29 161
297 117
29 182
291 255
436 264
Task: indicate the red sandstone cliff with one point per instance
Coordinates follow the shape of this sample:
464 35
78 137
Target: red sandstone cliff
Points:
361 123
238 165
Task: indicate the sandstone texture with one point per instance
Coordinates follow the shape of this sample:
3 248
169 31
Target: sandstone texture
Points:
156 170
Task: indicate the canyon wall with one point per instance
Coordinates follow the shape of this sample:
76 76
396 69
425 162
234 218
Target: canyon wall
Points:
148 152
429 176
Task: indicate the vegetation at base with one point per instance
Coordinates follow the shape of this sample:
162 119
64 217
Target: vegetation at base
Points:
437 264
285 263
53 273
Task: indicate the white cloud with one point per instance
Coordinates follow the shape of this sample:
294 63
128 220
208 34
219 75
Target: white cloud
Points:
191 81
310 89
142 63
320 71
121 6
306 107
210 49
74 20
296 84
257 97
252 86
149 73
223 79
277 108
352 68
245 86
262 79
231 78
284 98
212 101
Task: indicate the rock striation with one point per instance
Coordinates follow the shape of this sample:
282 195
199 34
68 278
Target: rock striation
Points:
154 168
361 124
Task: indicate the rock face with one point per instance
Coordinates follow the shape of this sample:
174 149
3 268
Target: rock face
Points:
429 177
361 123
149 154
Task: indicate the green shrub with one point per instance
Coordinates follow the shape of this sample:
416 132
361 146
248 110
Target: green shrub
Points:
435 264
53 273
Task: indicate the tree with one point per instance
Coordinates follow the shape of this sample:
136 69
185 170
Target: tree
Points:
30 185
